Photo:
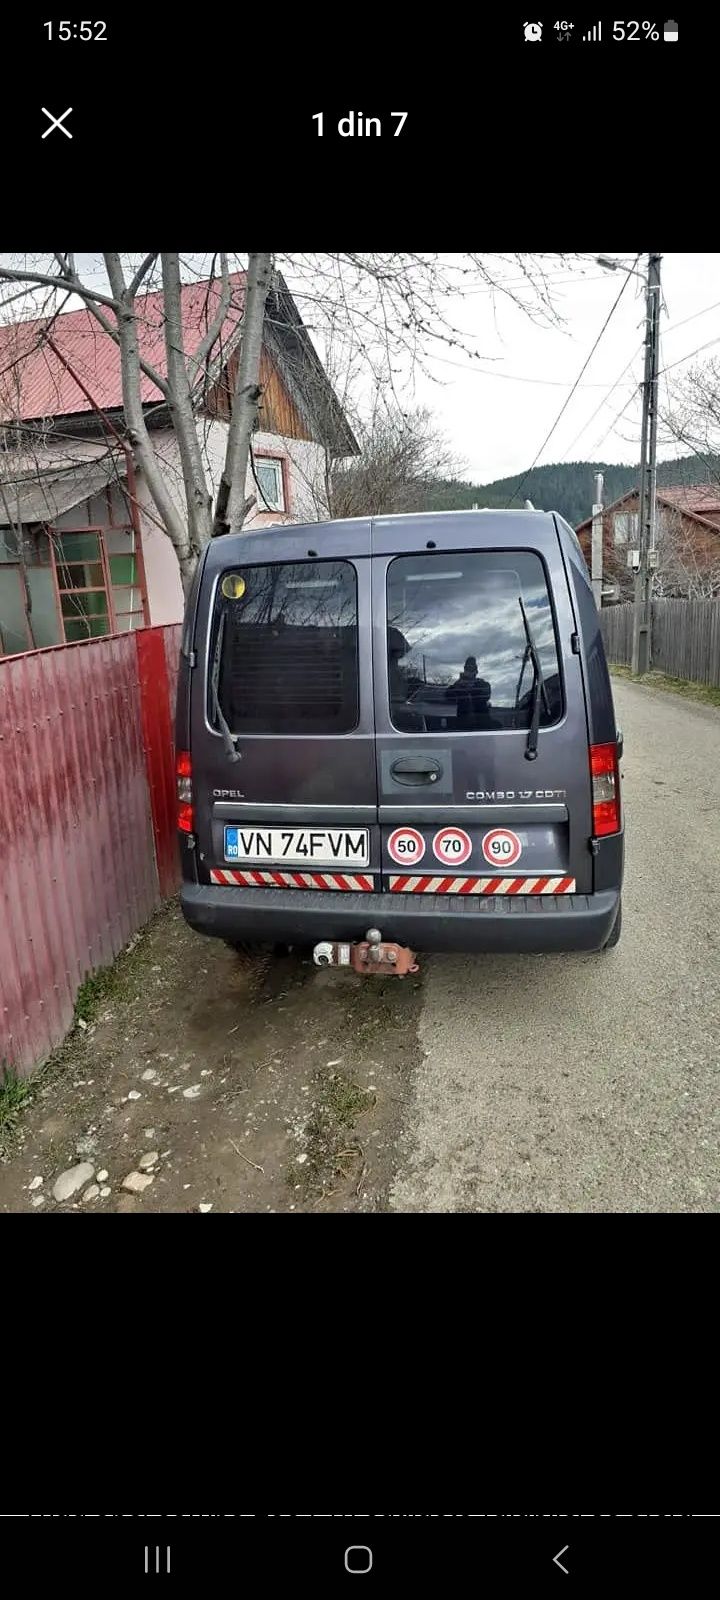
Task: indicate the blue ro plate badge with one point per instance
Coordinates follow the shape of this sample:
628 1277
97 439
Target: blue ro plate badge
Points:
299 847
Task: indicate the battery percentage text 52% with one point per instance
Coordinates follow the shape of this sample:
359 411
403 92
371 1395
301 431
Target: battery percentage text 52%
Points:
635 30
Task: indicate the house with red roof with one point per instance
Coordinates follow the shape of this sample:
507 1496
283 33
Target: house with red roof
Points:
82 549
687 536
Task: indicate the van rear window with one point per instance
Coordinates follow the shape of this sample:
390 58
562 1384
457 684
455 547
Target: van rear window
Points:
284 651
459 646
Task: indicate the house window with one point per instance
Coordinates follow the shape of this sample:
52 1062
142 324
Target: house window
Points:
269 475
625 527
98 582
14 632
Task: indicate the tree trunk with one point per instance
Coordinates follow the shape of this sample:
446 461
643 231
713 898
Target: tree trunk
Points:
138 435
232 504
181 407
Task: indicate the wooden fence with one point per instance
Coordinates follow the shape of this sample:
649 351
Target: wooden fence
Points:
685 638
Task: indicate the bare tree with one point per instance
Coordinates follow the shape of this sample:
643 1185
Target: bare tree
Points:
688 564
401 458
691 417
393 309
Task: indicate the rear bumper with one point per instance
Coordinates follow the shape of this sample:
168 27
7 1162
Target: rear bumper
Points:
534 924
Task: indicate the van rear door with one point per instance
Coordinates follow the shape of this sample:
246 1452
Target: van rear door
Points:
286 682
481 790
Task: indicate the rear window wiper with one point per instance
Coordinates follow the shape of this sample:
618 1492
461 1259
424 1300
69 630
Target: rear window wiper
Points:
233 753
539 690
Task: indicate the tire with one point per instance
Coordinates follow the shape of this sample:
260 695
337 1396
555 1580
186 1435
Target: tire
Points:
617 929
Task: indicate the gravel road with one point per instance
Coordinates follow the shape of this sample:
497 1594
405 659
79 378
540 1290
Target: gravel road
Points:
591 1083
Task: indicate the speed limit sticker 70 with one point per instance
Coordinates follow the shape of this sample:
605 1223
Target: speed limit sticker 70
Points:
406 846
453 845
502 847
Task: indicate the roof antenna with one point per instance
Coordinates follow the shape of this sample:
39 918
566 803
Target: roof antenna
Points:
529 505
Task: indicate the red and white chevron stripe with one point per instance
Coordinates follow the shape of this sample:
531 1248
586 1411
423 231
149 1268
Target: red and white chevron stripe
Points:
402 884
291 880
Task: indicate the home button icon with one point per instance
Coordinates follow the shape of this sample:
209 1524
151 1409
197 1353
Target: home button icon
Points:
358 1558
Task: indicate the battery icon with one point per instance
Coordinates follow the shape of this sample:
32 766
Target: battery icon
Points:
670 32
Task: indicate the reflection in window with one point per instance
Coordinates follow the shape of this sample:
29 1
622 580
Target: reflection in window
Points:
98 582
285 652
270 480
458 652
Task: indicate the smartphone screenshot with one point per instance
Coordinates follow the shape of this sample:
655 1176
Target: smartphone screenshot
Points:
359 621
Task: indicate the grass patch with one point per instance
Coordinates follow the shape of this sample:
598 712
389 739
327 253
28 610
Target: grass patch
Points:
333 1149
706 693
14 1094
119 981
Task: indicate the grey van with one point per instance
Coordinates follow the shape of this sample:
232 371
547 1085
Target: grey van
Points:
402 724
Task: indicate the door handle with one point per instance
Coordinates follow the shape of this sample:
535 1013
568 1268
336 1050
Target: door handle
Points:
416 770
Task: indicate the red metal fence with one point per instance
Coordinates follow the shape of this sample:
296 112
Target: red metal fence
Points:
87 824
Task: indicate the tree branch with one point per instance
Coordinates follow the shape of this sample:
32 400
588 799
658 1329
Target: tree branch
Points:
206 343
71 282
181 406
147 460
141 273
231 504
14 276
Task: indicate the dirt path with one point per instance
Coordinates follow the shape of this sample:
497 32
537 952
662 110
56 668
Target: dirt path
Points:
590 1082
260 1085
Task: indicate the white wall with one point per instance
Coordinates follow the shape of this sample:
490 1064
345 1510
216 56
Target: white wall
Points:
305 477
306 471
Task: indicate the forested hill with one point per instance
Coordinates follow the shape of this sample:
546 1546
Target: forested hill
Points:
567 487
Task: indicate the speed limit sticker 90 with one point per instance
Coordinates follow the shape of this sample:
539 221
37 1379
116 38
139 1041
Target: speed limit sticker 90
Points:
406 846
453 845
502 847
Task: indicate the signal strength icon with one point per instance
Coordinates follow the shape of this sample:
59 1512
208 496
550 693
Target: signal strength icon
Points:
593 35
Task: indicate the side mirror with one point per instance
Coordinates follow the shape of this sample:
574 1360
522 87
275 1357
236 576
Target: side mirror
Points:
620 743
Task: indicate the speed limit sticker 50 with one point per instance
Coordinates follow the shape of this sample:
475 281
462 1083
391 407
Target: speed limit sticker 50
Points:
502 847
406 846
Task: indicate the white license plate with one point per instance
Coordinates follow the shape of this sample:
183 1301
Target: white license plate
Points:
299 847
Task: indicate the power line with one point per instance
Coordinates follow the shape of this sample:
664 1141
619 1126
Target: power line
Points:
690 354
515 377
670 329
616 419
583 369
604 401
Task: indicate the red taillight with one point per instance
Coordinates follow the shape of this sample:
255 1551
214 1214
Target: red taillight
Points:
183 769
185 818
605 775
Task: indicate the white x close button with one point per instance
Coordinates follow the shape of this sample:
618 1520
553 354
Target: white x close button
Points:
57 122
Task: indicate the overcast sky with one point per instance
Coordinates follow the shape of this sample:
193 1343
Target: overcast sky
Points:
496 412
497 419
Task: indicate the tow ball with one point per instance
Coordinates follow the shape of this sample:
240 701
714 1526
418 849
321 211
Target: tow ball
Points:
373 954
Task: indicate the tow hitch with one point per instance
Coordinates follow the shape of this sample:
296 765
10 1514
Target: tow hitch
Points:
373 954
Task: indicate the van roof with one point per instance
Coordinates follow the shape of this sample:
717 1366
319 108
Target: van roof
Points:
389 519
282 541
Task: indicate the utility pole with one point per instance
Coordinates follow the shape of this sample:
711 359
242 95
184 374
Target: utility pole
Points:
641 650
597 540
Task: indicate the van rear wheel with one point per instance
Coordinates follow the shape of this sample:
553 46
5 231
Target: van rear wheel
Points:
617 928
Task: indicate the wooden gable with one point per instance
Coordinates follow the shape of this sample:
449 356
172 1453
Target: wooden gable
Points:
277 411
